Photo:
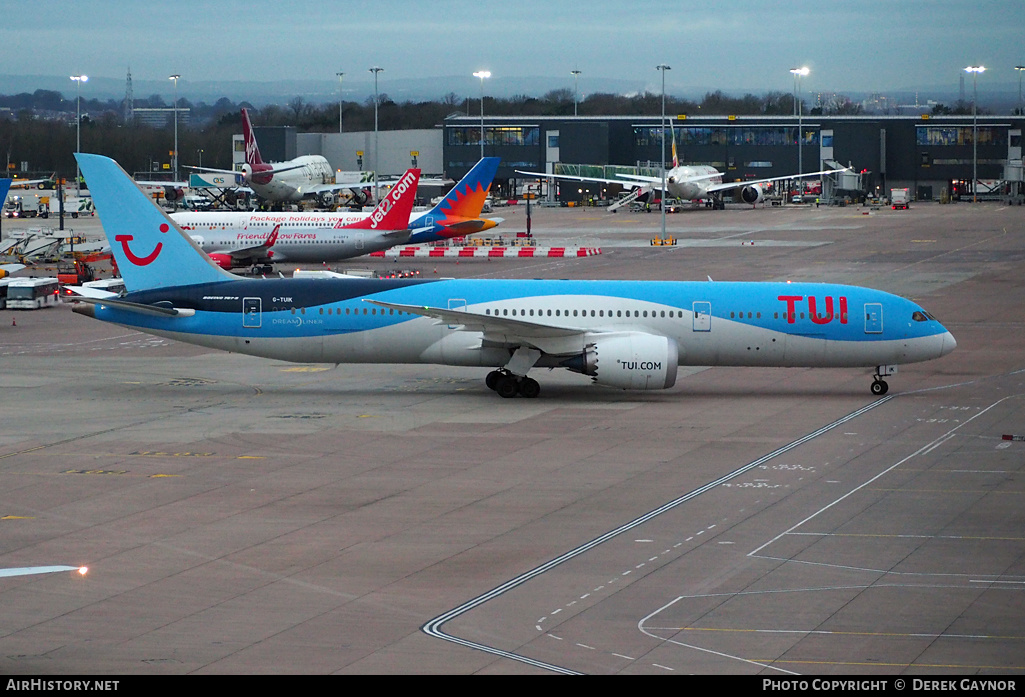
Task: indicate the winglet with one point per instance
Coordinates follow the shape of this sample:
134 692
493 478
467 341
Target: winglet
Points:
272 237
150 249
392 213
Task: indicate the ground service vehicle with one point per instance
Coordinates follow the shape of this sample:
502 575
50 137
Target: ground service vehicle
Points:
32 293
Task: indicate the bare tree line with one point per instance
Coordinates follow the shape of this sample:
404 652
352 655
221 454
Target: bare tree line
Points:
39 128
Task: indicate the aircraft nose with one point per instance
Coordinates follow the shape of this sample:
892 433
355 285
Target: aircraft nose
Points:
949 344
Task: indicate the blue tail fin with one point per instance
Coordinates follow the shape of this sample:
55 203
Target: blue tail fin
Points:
466 199
150 249
464 202
5 186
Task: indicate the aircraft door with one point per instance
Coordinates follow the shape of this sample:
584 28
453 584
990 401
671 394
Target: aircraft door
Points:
456 304
252 313
873 318
359 240
702 316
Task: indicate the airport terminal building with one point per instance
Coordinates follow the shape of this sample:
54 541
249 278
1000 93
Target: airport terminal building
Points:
933 156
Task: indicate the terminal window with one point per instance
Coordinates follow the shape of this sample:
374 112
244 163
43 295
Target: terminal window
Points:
718 135
959 135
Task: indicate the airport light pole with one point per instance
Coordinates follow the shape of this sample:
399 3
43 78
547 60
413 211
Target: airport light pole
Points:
174 161
340 75
482 74
1020 69
798 73
79 79
975 70
375 70
576 89
663 68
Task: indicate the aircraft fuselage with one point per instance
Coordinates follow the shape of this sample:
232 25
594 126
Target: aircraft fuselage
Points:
713 324
292 184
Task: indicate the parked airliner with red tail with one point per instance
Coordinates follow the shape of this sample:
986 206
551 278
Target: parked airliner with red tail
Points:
288 237
624 334
327 237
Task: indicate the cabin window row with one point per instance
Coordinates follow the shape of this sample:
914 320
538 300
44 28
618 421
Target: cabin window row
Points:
581 313
350 311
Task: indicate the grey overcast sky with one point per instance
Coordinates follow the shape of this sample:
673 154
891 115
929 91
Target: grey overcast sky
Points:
735 45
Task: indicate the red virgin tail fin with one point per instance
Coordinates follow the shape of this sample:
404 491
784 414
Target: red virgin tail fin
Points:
252 149
392 213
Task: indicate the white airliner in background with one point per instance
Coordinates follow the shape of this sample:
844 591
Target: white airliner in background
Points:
294 180
308 176
624 334
688 183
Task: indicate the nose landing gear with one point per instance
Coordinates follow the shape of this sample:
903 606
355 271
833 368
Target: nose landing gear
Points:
879 386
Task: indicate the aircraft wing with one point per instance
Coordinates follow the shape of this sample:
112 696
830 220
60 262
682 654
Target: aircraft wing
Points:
32 570
571 177
503 330
431 181
176 185
724 186
253 252
26 183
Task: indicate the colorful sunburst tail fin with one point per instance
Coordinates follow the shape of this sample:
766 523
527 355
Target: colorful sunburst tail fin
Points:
676 160
465 201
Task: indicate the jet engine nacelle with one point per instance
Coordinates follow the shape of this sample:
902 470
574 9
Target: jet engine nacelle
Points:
222 260
173 193
751 194
359 197
629 361
259 174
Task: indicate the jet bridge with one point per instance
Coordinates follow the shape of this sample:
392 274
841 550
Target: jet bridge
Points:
842 184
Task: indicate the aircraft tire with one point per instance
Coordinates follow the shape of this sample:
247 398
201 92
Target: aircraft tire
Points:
879 387
492 379
507 387
529 388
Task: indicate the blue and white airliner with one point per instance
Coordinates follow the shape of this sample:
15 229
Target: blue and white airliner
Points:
624 334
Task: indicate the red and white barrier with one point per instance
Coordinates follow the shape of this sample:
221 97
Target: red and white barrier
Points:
485 252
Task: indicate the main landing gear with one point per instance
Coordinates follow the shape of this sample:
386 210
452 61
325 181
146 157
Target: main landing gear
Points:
508 385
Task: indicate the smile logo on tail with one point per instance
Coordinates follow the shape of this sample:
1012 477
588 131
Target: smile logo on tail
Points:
132 256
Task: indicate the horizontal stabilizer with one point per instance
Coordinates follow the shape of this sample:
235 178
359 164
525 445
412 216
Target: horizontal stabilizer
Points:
154 310
90 292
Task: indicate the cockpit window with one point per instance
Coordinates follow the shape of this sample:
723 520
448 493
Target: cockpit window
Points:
920 316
